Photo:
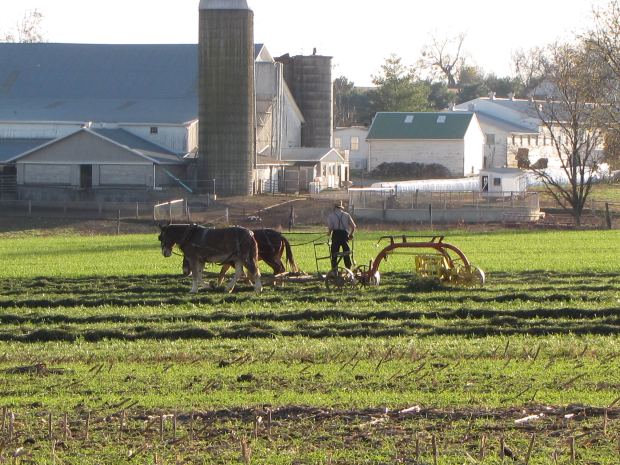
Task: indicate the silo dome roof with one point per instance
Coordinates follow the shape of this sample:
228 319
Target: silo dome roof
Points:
224 5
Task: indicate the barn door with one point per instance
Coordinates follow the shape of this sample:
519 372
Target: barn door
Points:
86 176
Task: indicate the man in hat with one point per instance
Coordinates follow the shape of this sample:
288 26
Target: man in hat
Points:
341 228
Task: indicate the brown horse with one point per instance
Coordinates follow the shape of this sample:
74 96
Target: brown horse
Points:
199 245
271 246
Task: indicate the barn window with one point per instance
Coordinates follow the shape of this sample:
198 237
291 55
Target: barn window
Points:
497 181
441 119
409 119
154 130
355 143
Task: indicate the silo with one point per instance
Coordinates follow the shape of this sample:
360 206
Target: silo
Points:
226 108
310 80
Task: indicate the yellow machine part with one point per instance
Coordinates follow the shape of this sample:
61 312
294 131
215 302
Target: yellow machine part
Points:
431 266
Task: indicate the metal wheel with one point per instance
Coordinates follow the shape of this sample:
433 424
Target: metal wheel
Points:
363 277
339 278
470 277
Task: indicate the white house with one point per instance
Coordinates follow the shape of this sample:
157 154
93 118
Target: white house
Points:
513 132
452 139
354 140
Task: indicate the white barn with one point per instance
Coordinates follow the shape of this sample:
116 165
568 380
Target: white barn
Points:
354 140
452 139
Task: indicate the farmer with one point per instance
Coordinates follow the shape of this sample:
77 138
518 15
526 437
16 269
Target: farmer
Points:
341 228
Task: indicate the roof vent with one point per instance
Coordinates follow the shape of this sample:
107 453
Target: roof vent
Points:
441 119
409 119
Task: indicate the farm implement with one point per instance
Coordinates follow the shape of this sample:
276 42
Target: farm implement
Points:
432 258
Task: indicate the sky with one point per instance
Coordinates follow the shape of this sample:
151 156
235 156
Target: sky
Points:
358 34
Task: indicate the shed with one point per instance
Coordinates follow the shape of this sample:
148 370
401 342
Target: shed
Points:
324 167
451 139
502 181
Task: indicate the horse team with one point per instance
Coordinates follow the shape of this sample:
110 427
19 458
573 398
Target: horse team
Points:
236 247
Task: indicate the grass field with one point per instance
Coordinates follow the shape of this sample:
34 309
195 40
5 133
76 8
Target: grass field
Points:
106 358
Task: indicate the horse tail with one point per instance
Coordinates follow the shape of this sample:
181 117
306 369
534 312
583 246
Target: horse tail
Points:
289 255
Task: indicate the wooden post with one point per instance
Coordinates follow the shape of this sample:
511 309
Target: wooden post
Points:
417 448
118 223
607 215
530 448
29 207
573 452
430 214
137 211
227 215
291 219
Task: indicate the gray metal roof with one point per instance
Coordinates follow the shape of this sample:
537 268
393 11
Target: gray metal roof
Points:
507 126
100 82
308 154
223 5
155 152
11 148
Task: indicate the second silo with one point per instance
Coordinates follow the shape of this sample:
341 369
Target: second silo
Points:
226 108
310 79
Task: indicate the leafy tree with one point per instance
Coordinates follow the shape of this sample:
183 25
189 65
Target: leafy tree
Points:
343 108
440 97
398 88
28 30
571 119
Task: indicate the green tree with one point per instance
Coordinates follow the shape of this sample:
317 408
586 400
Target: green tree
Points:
398 88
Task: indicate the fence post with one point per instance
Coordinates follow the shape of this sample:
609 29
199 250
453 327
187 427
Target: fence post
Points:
137 211
430 213
170 211
118 223
29 207
227 215
607 215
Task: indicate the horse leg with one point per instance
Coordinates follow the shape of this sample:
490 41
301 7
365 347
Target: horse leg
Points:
194 265
222 275
254 275
235 278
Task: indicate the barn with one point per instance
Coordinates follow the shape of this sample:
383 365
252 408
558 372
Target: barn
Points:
451 139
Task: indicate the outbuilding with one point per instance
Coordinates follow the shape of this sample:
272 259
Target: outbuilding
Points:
451 139
502 181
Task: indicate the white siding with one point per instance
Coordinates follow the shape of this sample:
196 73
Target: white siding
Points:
474 149
358 159
47 174
125 175
174 138
448 153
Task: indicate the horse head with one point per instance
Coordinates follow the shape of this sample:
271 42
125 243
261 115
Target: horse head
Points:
166 239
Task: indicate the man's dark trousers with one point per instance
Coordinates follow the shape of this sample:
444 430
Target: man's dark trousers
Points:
340 238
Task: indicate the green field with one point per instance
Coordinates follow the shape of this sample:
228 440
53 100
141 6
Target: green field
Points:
102 330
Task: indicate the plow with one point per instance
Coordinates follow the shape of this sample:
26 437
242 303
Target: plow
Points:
432 258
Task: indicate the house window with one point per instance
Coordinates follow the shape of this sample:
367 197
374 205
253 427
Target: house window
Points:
337 142
490 139
154 130
355 143
409 119
324 170
497 181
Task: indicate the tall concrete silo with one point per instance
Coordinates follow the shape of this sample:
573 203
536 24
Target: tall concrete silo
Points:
310 79
226 108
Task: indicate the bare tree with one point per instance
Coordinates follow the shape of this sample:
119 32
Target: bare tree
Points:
28 30
528 66
572 121
445 57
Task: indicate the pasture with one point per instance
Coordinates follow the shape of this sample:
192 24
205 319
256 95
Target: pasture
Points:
105 357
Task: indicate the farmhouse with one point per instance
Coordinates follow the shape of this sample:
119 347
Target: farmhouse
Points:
353 140
451 139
